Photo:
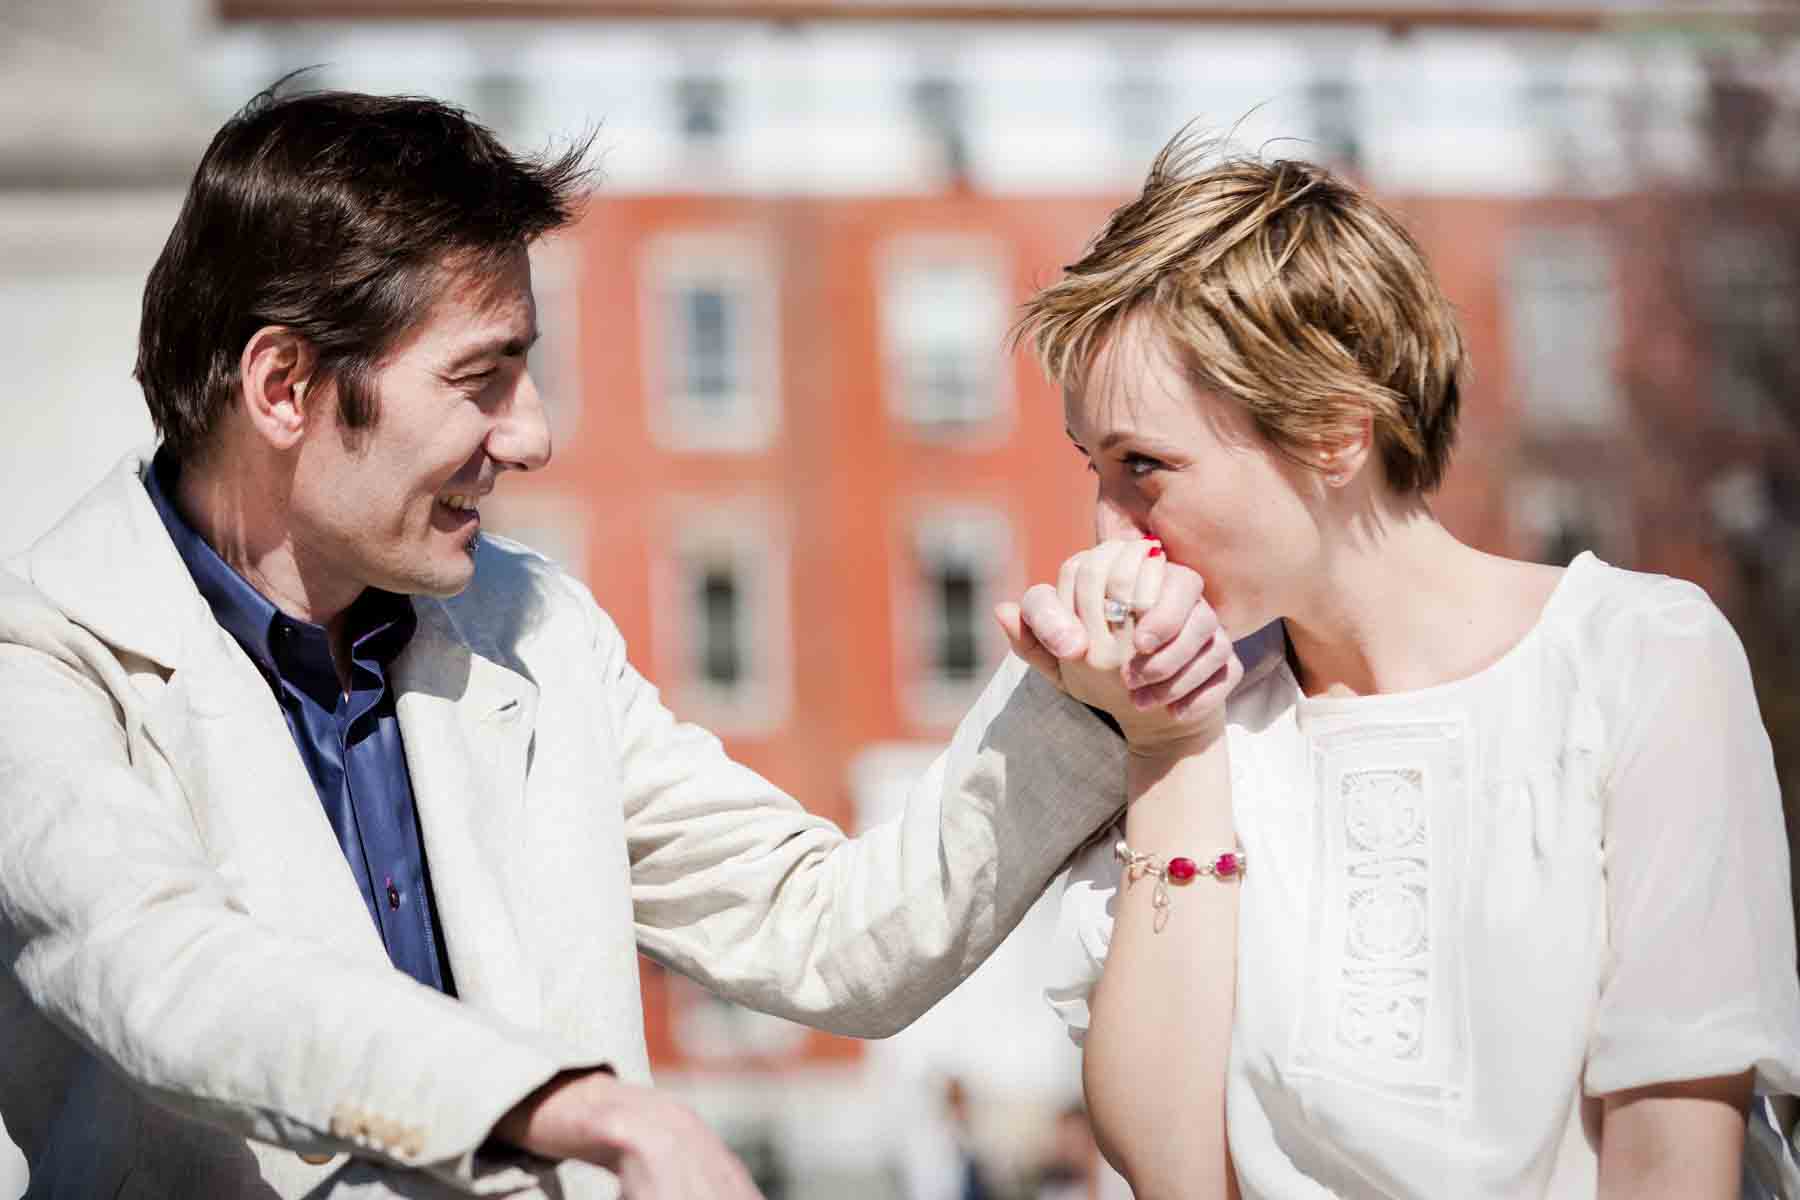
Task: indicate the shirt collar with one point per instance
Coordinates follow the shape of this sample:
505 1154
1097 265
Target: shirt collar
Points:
380 622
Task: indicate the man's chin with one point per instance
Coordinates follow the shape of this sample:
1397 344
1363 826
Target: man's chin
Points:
443 581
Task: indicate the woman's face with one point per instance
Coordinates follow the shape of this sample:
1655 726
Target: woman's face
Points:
1178 462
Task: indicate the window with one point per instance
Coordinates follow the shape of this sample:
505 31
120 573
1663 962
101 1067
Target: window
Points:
721 611
960 558
1750 293
944 315
700 103
720 658
1139 107
710 362
1332 101
939 106
1563 329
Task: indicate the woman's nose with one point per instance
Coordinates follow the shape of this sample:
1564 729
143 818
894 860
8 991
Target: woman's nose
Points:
1113 520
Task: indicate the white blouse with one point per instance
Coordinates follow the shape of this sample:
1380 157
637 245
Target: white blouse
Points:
1468 906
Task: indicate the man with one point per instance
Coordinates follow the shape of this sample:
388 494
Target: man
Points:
330 828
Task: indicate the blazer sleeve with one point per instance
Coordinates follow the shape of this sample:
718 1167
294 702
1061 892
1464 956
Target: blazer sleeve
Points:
736 885
119 931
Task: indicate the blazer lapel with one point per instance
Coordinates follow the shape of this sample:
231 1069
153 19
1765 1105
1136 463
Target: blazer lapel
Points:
467 722
224 736
110 566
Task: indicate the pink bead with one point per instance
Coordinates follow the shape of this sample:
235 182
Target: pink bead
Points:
1181 870
1224 866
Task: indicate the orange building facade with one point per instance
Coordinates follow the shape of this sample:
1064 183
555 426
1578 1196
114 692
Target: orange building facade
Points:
797 467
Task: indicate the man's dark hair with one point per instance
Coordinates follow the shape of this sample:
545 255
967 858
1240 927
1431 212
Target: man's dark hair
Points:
334 215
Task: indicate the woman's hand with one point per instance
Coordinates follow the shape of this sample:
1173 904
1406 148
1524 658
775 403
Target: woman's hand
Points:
1163 672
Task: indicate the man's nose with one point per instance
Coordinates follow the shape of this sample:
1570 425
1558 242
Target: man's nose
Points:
522 438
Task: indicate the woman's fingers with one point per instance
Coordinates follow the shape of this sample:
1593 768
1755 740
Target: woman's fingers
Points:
1198 625
1166 617
1147 588
1092 570
1194 673
1213 693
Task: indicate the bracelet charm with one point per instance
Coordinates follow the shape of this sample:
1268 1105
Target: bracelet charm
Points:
1180 870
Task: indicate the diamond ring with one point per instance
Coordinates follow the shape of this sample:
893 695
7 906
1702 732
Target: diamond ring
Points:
1116 612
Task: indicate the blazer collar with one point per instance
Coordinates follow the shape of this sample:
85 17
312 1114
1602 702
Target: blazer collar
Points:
110 567
467 710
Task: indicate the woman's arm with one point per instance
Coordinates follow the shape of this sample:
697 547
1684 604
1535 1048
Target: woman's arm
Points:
1156 1050
1675 1139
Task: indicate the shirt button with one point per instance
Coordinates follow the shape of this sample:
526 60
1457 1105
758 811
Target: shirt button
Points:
393 895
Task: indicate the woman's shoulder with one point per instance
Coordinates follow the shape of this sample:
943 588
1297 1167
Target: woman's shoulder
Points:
1609 608
1636 635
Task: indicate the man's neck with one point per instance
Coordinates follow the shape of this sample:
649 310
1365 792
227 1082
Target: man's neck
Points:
242 515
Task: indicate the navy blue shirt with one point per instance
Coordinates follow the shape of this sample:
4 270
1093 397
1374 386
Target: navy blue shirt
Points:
348 738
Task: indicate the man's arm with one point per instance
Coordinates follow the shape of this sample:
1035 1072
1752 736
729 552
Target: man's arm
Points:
734 883
121 932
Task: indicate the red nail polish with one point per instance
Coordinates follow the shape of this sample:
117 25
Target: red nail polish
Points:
1155 550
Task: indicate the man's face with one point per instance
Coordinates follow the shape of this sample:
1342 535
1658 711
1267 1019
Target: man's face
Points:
394 505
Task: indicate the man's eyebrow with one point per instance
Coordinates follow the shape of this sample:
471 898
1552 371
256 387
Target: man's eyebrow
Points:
507 347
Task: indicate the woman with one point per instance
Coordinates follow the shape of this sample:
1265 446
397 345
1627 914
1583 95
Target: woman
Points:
1510 915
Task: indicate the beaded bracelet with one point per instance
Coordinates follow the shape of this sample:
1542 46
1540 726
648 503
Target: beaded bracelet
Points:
1225 865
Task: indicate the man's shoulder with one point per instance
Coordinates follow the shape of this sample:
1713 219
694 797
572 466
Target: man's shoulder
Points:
22 606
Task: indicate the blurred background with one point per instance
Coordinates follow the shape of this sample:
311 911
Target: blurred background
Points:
795 462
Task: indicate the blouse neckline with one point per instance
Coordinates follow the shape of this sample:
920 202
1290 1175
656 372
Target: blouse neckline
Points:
1318 705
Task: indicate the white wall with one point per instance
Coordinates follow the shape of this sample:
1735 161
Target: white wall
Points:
72 274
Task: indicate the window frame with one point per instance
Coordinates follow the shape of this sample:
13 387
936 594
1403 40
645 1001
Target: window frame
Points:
902 258
747 418
748 536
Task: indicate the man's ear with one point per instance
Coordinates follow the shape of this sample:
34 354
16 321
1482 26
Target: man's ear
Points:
277 375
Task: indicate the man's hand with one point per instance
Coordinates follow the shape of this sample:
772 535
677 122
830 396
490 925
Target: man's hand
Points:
659 1148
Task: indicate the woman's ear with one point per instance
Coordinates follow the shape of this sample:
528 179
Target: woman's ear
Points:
276 374
1344 460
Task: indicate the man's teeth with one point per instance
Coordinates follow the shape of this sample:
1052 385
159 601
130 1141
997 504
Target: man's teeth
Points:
465 503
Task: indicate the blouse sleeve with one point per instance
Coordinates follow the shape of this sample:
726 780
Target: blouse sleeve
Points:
1083 931
1700 975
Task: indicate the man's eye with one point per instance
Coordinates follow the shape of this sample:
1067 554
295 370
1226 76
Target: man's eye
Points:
478 379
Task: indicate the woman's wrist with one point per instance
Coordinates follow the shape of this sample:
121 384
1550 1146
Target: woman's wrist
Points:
1169 747
1180 791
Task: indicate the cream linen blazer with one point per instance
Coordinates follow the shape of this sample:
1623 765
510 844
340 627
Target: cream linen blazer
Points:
194 996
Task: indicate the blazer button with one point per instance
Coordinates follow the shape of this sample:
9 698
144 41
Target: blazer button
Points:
316 1160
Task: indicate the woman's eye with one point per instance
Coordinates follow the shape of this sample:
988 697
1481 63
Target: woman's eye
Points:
1137 464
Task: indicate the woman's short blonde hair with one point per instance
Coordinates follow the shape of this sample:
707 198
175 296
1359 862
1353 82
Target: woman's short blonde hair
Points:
1281 287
